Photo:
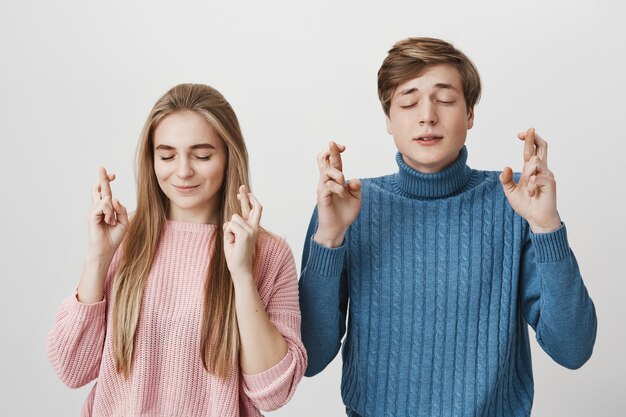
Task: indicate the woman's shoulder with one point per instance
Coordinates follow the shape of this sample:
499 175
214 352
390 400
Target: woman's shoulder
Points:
275 266
272 246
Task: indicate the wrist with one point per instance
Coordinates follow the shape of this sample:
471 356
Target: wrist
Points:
241 279
101 247
546 227
94 258
329 240
245 288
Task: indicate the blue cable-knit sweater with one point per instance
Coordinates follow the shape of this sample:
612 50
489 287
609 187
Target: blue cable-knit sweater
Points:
441 277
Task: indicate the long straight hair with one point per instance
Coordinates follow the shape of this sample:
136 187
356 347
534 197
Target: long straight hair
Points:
219 334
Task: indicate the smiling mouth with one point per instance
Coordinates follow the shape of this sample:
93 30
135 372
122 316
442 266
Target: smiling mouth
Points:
185 187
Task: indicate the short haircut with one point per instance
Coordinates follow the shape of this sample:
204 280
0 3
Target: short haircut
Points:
408 58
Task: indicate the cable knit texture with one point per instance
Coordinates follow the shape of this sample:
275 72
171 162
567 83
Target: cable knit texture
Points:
441 278
167 376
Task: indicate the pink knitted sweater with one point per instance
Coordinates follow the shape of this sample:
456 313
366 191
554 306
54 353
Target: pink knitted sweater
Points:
167 376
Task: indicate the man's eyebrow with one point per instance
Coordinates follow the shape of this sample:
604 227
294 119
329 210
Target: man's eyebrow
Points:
446 86
198 146
438 85
408 91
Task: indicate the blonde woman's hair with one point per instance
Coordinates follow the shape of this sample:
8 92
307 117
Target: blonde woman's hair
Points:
219 335
408 58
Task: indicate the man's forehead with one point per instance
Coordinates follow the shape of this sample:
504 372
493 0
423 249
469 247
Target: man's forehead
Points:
434 77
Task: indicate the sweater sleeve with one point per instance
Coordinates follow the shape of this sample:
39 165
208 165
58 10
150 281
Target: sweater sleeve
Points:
274 387
323 300
76 340
555 301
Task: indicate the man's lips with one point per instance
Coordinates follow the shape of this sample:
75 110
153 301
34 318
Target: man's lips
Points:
428 137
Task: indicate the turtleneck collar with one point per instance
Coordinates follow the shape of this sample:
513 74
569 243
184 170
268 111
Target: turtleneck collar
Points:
449 181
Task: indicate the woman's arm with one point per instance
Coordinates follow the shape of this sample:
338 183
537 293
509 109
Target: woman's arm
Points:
271 354
75 342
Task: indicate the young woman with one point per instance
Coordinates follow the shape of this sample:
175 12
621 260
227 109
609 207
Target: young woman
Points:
188 308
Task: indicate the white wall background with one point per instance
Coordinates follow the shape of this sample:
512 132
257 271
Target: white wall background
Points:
78 78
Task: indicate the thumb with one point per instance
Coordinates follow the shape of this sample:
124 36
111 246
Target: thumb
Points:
354 186
229 237
506 178
120 211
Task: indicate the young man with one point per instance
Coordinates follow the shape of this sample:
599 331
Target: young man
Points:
442 266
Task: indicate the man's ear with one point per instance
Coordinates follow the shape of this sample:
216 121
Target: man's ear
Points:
470 118
388 122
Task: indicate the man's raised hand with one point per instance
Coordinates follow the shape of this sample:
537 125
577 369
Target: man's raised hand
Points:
338 201
534 196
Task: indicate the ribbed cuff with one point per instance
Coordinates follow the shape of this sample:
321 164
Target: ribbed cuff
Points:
87 311
551 247
325 262
266 380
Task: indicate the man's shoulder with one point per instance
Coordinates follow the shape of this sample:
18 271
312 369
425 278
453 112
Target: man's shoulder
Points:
382 179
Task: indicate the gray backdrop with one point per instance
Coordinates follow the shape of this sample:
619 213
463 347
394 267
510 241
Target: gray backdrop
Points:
77 80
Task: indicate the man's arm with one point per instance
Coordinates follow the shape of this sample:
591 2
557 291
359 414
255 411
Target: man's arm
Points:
323 283
554 299
323 300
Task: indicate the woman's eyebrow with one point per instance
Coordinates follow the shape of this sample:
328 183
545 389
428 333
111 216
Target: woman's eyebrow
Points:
197 146
203 146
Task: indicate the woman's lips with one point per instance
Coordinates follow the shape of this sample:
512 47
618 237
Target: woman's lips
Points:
185 188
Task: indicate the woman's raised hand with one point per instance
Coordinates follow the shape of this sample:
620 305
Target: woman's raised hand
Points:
240 235
108 221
